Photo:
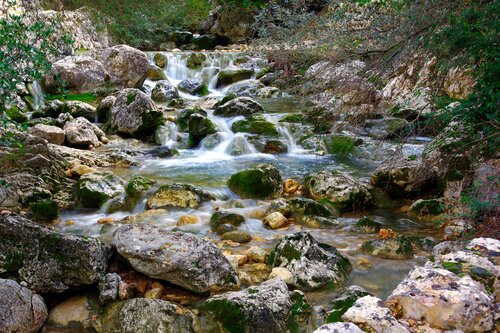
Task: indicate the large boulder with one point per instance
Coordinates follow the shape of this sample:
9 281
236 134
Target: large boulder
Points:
164 92
178 195
52 134
49 261
94 189
199 127
135 114
248 88
258 309
338 189
80 133
312 264
21 311
241 106
261 181
144 315
182 259
233 74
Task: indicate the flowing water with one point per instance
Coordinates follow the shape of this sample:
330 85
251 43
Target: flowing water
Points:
217 158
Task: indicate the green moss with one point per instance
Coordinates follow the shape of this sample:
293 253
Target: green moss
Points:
290 253
454 267
16 115
130 98
229 314
308 207
343 303
369 224
259 182
137 186
86 98
292 118
428 207
150 122
271 257
221 218
13 262
237 236
252 291
46 210
182 120
255 124
341 145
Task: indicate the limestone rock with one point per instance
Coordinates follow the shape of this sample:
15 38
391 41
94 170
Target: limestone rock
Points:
339 328
258 182
94 189
275 220
52 134
164 92
80 133
241 106
178 195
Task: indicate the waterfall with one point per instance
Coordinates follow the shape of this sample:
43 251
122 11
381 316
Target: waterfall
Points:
37 94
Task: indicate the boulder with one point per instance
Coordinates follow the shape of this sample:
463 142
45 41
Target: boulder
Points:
75 108
248 88
49 261
178 195
338 189
367 225
275 147
160 60
52 134
94 189
104 109
21 311
220 220
179 258
257 309
181 37
135 114
233 74
241 106
205 42
80 133
237 236
195 59
339 328
312 213
261 181
275 220
343 302
182 120
164 92
199 127
255 124
144 315
138 186
193 87
312 264
268 92
156 73
392 248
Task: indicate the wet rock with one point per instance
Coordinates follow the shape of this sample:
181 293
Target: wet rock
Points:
222 218
135 114
178 195
104 109
430 207
343 302
94 189
339 189
187 220
200 127
369 313
160 60
108 287
205 42
21 311
392 248
183 117
313 265
52 134
463 303
312 213
195 59
138 186
275 147
282 274
258 309
75 314
368 225
262 181
164 152
233 74
182 259
255 124
49 261
386 128
339 328
241 106
237 236
256 254
143 315
164 92
193 87
275 220
247 88
75 108
156 73
268 92
80 133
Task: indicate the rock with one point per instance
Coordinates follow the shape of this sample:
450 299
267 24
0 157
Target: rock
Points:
80 170
459 82
392 248
160 60
104 109
282 274
44 210
205 42
138 186
108 287
156 73
241 106
52 134
80 133
183 117
402 177
182 259
237 236
430 207
261 181
368 313
164 152
386 128
258 309
75 108
342 145
343 302
49 261
77 313
164 92
143 315
275 220
339 328
178 195
135 114
187 220
126 66
221 218
255 124
193 87
312 213
195 59
21 311
290 186
463 303
233 74
200 127
368 225
339 189
94 189
181 37
256 254
81 74
312 264
247 88
268 92
275 147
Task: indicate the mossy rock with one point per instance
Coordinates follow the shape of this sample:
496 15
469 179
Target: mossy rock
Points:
177 195
393 248
292 118
222 219
344 302
366 224
199 127
237 236
156 73
427 207
309 207
16 115
182 120
255 124
45 210
230 314
160 60
94 189
341 144
261 181
301 310
138 186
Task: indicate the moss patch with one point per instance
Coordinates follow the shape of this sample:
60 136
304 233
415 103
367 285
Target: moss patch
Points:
45 210
255 124
229 314
86 98
340 144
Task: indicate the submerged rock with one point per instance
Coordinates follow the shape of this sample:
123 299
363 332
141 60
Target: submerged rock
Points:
258 309
178 195
312 213
241 106
164 92
392 248
220 220
21 311
49 261
182 259
313 265
94 189
255 124
262 181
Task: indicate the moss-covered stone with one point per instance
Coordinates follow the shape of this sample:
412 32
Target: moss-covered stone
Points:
427 207
301 310
45 210
233 74
262 181
366 224
343 302
16 115
94 189
228 313
255 124
138 186
160 60
177 195
237 236
292 118
309 207
199 127
221 219
341 144
182 120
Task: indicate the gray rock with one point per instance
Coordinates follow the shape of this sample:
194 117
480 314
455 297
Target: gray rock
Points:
248 88
182 259
108 287
258 309
74 108
313 265
221 218
312 214
80 133
193 87
269 92
21 311
260 181
196 59
94 189
52 134
199 127
135 114
178 195
392 248
164 92
233 74
143 315
241 106
343 302
339 328
49 261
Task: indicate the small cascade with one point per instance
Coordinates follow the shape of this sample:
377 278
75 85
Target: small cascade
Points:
37 94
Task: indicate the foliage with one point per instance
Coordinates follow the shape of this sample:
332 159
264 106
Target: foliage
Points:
244 3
